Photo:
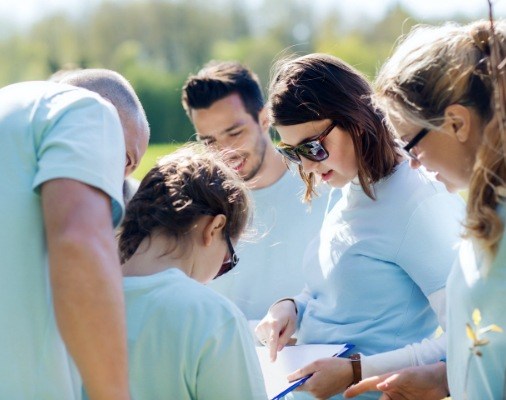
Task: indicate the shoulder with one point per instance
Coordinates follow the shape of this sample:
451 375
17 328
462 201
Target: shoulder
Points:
287 192
410 188
413 180
197 299
45 92
44 104
62 99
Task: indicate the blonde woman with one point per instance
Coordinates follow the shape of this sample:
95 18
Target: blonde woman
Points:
437 91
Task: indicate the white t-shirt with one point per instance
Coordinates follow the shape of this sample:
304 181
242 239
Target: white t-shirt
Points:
187 342
476 296
47 131
270 265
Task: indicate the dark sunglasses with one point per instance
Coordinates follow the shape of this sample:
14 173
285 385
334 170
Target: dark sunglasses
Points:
232 261
312 149
413 142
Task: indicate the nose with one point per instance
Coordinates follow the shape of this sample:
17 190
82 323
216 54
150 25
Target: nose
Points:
413 163
308 165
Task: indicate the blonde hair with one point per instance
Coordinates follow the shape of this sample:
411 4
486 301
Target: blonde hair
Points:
435 67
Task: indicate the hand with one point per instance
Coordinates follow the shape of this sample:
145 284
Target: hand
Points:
276 328
426 382
330 376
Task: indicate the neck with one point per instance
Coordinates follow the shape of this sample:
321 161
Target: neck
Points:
152 256
271 170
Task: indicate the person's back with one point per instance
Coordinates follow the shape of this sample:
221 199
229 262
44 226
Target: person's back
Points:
183 338
225 103
40 141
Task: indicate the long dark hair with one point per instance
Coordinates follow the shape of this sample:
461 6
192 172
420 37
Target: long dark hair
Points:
320 86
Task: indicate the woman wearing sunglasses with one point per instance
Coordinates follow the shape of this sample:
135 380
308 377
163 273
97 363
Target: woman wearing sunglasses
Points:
183 338
455 100
376 276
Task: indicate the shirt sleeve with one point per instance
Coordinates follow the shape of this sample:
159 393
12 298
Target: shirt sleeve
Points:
430 244
427 254
428 351
232 348
301 301
79 136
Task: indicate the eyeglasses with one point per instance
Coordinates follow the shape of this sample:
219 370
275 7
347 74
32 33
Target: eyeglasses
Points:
232 261
413 142
312 149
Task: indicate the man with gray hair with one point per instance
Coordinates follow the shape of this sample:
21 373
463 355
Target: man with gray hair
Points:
64 152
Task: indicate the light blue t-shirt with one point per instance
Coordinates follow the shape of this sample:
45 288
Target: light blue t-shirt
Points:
376 261
480 371
270 265
187 342
47 131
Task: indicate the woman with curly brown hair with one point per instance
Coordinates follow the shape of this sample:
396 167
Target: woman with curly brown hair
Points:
178 234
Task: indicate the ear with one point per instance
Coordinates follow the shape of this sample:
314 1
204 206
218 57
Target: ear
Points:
263 119
213 229
129 160
458 119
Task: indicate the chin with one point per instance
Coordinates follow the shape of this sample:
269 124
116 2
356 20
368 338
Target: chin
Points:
338 183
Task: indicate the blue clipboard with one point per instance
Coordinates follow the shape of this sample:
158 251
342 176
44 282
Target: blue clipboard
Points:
295 384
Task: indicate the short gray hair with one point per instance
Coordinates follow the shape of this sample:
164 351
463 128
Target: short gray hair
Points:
111 86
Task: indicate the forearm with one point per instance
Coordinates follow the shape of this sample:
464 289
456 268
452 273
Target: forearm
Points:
89 307
301 301
426 352
86 285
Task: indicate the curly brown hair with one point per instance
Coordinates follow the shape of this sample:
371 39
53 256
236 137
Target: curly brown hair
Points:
191 182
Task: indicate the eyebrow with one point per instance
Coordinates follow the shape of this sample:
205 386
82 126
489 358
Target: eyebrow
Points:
233 127
228 130
311 138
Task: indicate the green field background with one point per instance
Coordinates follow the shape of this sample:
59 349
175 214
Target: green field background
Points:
153 153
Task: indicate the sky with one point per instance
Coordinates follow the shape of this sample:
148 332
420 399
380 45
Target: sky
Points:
430 9
21 13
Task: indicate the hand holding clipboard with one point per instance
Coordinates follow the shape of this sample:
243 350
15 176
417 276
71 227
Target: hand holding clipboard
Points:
295 384
290 359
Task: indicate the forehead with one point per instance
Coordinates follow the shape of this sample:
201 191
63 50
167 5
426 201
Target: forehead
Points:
295 134
220 116
403 129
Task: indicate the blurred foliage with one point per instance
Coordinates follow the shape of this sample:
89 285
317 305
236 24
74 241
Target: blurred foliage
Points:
156 44
153 153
